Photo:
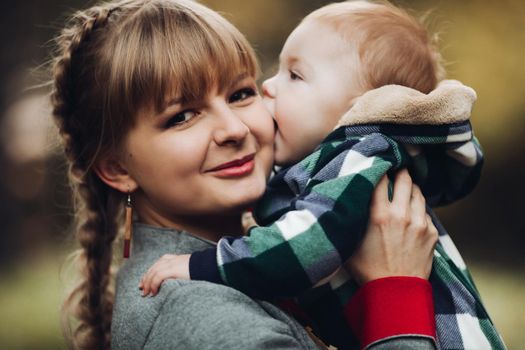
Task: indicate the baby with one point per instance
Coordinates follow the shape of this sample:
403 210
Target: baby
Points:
356 97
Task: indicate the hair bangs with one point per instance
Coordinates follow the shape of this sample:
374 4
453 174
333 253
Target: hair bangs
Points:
170 53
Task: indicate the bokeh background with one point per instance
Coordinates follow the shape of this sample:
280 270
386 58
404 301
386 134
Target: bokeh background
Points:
483 43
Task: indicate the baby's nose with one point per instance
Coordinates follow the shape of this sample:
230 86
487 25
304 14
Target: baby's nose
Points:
268 87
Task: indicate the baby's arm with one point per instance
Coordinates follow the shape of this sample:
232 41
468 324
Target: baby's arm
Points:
444 171
320 229
450 170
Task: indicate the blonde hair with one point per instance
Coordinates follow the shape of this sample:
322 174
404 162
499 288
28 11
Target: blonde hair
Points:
111 61
393 46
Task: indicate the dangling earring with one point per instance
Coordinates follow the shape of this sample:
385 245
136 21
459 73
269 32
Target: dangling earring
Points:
127 232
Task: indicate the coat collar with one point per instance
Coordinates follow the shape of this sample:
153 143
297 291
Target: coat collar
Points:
148 238
451 102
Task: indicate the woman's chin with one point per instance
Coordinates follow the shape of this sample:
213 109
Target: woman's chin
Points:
243 199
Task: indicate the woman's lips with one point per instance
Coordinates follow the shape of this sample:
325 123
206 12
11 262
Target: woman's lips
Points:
236 168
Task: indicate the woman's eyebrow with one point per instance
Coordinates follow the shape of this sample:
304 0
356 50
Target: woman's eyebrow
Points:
178 100
240 78
172 102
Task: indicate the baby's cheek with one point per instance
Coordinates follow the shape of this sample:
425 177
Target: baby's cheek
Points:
284 153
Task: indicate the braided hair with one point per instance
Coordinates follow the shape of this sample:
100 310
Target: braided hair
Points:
90 302
111 61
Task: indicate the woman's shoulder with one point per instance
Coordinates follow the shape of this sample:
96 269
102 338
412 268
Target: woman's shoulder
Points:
202 315
198 315
133 315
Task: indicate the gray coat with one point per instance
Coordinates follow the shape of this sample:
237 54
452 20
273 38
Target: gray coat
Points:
199 315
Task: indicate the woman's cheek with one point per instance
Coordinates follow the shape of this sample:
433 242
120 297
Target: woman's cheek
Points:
261 124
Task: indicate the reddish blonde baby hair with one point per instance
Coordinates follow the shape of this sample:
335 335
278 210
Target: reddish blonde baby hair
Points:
393 46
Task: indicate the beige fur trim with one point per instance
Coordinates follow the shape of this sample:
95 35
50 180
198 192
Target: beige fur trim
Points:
450 102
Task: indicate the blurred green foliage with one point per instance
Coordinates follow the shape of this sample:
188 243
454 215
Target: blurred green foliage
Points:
29 302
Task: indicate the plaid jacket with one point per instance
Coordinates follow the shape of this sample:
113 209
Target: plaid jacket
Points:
314 214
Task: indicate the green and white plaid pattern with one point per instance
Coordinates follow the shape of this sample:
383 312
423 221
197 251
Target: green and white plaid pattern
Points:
314 214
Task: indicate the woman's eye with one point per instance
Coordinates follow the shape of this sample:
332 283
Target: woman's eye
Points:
181 118
242 95
294 76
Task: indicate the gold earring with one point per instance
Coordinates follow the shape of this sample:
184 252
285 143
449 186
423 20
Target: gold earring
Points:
127 227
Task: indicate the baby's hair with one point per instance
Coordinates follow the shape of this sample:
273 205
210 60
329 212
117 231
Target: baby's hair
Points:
112 61
393 46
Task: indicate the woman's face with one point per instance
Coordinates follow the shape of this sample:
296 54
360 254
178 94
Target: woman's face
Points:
210 157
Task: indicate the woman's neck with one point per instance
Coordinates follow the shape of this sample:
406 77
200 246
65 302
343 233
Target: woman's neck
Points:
211 227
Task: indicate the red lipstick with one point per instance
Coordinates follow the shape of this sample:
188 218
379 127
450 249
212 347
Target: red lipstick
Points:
235 168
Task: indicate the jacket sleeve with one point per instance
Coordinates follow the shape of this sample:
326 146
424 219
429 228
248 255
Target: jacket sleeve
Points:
447 171
384 311
321 229
392 307
404 343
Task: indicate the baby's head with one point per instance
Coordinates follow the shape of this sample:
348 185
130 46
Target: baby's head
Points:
336 54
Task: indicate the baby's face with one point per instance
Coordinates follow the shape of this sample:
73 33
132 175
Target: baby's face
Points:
314 87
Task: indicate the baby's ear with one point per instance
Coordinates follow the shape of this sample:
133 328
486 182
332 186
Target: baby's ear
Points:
114 174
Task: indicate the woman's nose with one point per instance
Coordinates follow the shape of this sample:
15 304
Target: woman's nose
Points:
268 87
231 129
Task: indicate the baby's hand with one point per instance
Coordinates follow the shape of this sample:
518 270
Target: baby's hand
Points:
169 266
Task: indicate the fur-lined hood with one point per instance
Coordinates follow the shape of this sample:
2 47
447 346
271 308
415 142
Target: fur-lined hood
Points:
450 102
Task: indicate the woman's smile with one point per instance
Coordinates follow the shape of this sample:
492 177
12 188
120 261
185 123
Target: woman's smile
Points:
236 168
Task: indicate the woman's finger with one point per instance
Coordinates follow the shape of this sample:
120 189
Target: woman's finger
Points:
418 208
379 201
402 190
380 195
432 231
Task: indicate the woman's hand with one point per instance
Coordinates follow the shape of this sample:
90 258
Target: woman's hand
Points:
400 238
168 266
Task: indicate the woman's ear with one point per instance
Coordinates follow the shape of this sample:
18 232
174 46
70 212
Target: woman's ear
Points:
110 170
